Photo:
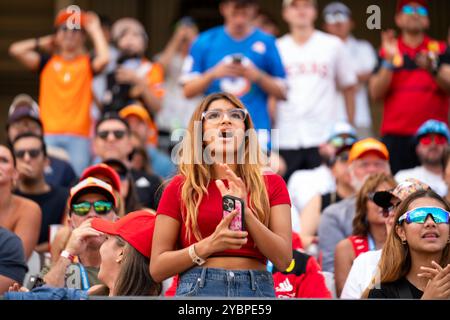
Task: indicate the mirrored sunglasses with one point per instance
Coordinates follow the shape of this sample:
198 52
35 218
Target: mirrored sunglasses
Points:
420 215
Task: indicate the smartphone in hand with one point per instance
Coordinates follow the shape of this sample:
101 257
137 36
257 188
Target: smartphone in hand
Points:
229 204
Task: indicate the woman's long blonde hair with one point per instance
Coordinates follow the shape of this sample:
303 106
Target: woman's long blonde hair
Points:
395 262
197 174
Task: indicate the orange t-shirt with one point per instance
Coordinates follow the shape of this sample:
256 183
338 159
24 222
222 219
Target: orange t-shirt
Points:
155 81
65 95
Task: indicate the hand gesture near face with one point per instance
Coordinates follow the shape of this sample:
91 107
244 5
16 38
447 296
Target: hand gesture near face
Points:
236 186
80 237
389 44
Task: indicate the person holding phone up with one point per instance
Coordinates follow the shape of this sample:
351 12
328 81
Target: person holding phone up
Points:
192 236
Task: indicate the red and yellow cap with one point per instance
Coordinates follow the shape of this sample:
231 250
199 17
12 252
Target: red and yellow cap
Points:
94 185
362 147
136 228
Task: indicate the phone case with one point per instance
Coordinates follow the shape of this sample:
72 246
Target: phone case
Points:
230 203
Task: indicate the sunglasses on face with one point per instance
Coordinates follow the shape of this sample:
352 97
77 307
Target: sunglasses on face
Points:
438 140
216 116
100 207
410 10
118 134
420 215
33 153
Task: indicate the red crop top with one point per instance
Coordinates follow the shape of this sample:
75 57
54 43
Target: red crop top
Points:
210 212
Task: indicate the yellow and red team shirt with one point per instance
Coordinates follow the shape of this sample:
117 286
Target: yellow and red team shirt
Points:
65 95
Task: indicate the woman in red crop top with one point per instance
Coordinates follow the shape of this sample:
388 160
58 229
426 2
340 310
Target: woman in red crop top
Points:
220 156
369 227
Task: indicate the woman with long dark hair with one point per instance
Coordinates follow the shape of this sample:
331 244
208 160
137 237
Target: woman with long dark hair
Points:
415 263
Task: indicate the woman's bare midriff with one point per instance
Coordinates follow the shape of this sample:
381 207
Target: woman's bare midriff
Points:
234 263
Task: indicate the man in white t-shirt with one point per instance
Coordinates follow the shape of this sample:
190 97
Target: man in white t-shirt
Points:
432 141
364 267
338 22
317 65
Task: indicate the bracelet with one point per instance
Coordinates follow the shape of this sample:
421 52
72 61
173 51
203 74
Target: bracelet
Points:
195 258
387 65
66 254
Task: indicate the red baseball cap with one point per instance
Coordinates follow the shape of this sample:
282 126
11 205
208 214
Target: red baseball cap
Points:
136 228
104 170
402 3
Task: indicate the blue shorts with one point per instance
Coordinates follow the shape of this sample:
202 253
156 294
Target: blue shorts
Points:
213 282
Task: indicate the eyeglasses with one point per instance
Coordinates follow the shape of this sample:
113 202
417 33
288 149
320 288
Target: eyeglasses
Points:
410 10
100 207
118 134
339 141
437 138
216 116
33 153
420 215
341 157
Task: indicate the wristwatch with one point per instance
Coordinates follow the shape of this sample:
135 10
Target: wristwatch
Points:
66 254
195 258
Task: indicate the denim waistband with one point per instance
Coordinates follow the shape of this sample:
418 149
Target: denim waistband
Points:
204 274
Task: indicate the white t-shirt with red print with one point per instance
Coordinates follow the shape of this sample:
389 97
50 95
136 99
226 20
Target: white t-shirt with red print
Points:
315 72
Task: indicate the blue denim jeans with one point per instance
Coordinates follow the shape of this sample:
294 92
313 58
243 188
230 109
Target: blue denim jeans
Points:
212 282
78 149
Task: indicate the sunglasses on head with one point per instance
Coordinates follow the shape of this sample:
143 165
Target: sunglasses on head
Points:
437 138
100 207
118 134
420 215
410 10
339 142
33 153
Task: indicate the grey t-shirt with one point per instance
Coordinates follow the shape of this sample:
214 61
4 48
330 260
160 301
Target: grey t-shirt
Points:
12 256
335 225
